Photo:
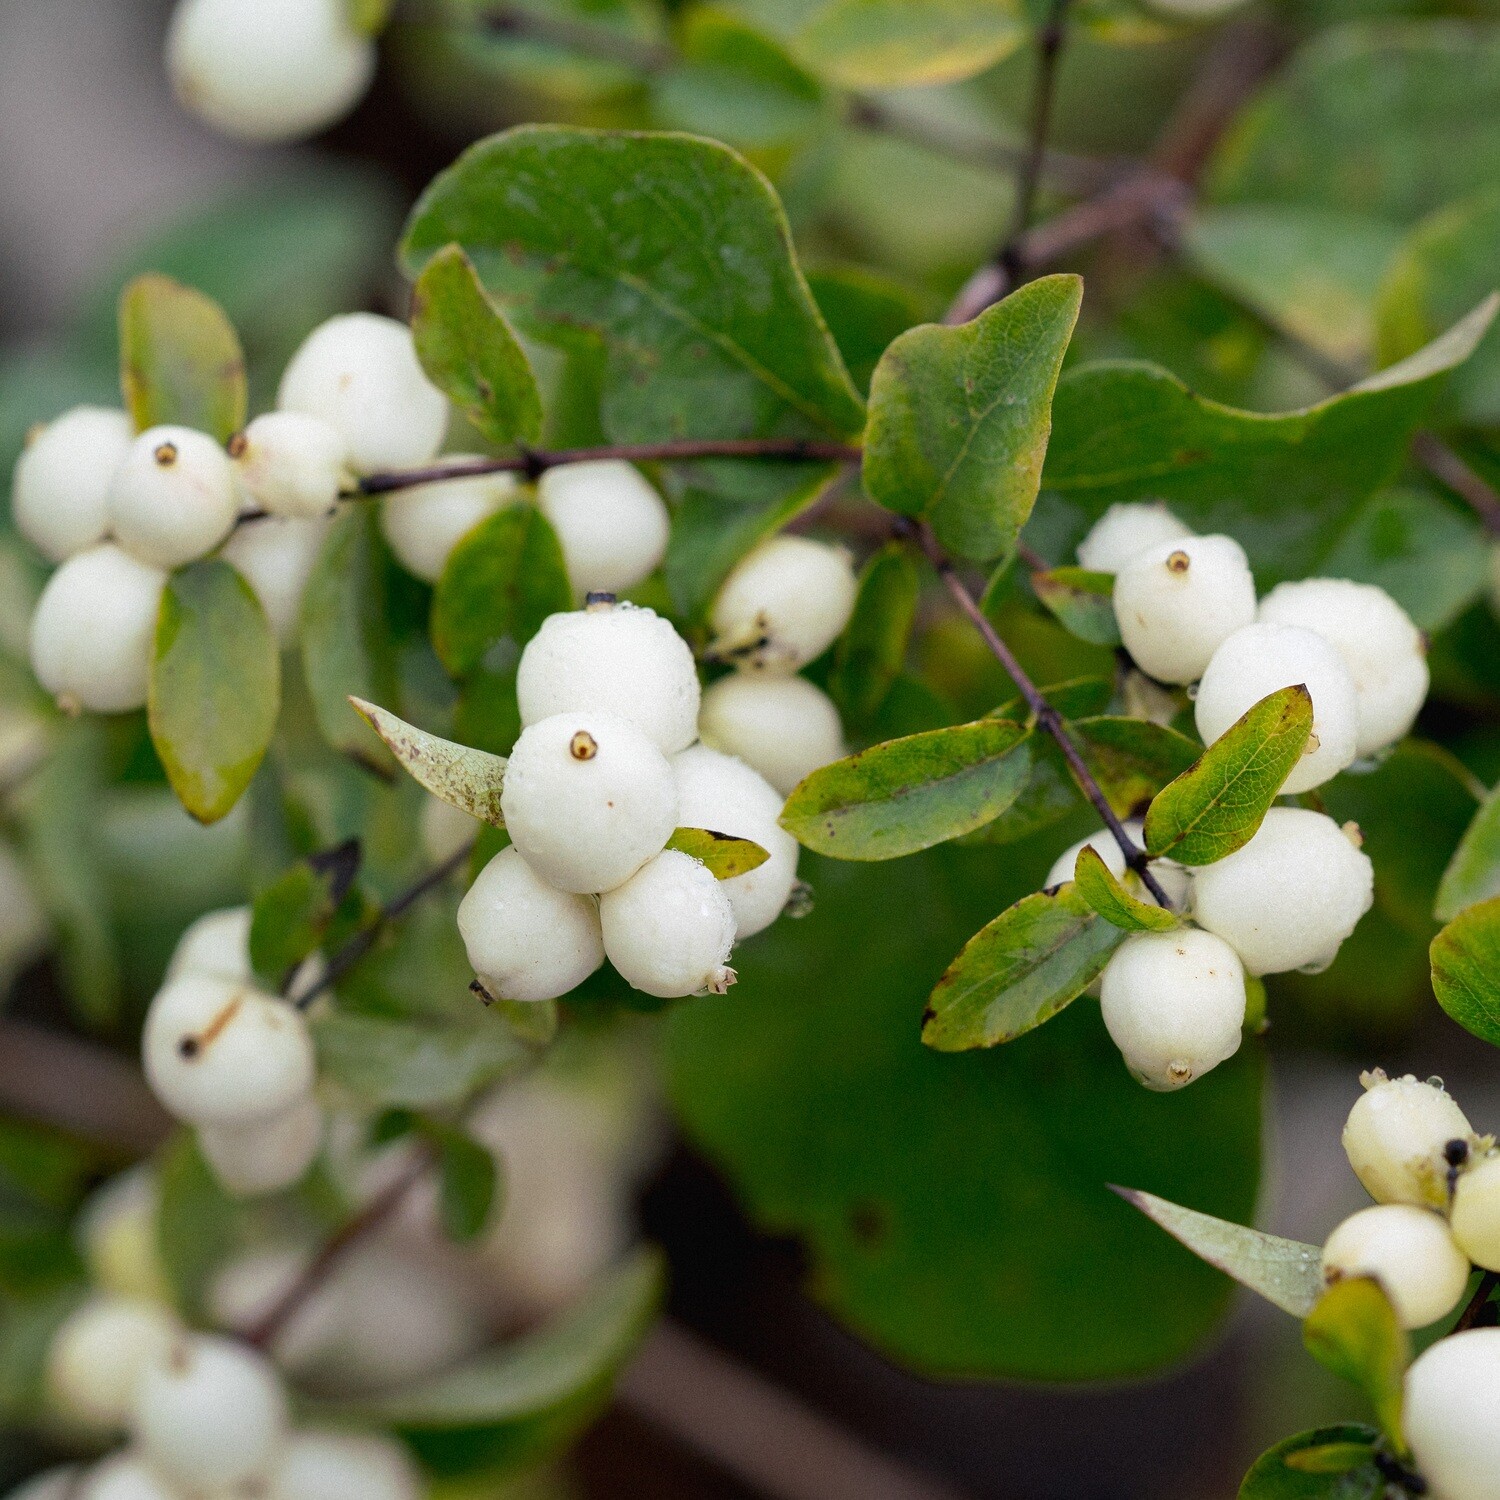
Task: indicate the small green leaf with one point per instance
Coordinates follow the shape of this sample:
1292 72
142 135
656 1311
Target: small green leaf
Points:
880 44
534 1021
865 311
215 687
1035 958
873 646
1284 1272
1473 874
911 793
1095 882
959 417
1330 1463
1132 759
467 1178
291 916
1354 1332
470 353
501 581
1216 806
1083 603
1466 969
469 779
725 855
180 359
1330 1458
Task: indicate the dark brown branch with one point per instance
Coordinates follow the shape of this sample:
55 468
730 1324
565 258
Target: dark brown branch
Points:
1445 465
1489 1283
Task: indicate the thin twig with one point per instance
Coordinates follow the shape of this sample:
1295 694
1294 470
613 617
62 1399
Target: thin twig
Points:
1469 1318
606 42
1445 465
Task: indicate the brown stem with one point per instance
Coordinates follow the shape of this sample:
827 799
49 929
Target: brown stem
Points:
1469 1318
1445 465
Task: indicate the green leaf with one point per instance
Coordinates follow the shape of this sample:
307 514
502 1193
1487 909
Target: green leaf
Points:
1286 1273
877 44
1034 959
195 1222
1216 806
1466 969
1473 874
1095 883
865 311
534 1021
180 359
1083 603
215 689
673 252
469 352
292 915
911 793
1284 485
871 650
1132 759
725 855
1354 1332
467 1178
501 581
469 779
959 417
1330 1463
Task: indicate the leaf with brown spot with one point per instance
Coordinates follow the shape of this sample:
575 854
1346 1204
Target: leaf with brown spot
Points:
725 855
466 778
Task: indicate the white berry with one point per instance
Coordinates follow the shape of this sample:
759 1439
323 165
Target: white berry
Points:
1409 1251
359 372
1172 877
324 1465
59 498
94 631
252 1157
525 939
669 928
1178 601
218 1052
1395 1135
173 498
276 557
1476 1213
61 1483
291 464
125 1476
1290 897
211 1414
271 71
1452 1415
96 1357
784 604
116 1232
718 792
1127 529
425 523
614 659
218 943
1384 652
785 727
1174 1004
588 799
612 524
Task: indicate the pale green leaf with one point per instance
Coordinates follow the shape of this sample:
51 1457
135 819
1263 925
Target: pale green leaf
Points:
468 779
1083 603
725 855
1473 874
1330 1463
876 44
1099 887
1354 1332
1466 969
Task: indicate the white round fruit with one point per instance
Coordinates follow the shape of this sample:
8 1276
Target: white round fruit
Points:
218 942
59 498
1476 1213
525 939
116 1233
718 792
1127 529
1290 897
784 727
445 829
614 659
426 522
1409 1251
669 928
291 464
253 1157
218 1052
1395 1137
1173 878
1376 640
359 372
60 1483
96 1357
125 1476
1178 601
611 522
276 558
588 799
1174 1004
211 1414
1263 658
784 604
271 71
323 1465
94 630
1451 1415
173 498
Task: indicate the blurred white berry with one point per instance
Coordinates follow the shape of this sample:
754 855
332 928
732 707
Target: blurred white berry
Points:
1127 529
1290 897
614 659
219 943
252 1157
326 1465
1409 1251
272 71
276 558
1395 1136
59 498
785 727
124 1476
96 1357
425 523
445 829
173 497
784 604
1173 878
1174 1004
1178 601
359 372
669 928
1451 1415
116 1234
248 1286
292 465
1476 1213
94 631
612 524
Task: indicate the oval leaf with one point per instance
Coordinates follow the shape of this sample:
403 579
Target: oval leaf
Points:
1095 882
1132 759
1354 1332
290 917
725 855
873 646
1473 874
1083 603
468 779
1466 969
879 44
1330 1463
